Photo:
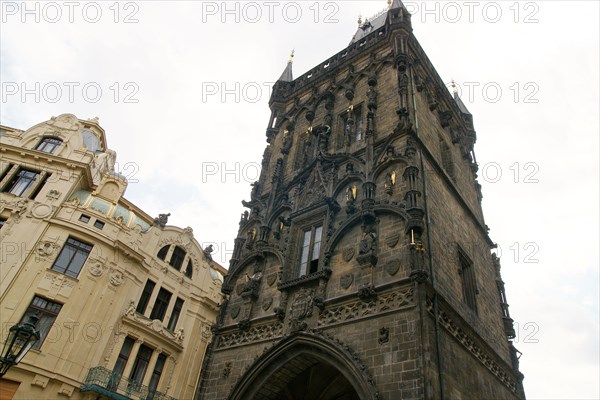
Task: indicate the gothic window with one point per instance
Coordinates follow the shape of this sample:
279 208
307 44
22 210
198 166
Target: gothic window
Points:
145 297
160 304
469 284
21 181
72 257
46 311
311 248
48 144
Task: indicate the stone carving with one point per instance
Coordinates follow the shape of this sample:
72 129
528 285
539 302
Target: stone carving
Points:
116 278
303 304
131 308
367 247
392 267
162 220
271 278
392 240
384 335
208 252
206 331
226 370
367 293
96 268
234 310
53 195
395 300
348 253
346 280
255 333
179 335
46 249
252 285
266 304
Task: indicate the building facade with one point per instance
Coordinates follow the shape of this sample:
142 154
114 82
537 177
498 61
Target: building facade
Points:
124 301
363 268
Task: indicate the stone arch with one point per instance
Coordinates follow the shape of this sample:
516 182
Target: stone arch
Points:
286 365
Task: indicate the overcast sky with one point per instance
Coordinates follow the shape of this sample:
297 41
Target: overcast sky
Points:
182 90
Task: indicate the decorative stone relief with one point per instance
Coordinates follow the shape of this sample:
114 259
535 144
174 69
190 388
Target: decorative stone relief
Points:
346 280
96 268
116 278
41 211
53 195
46 249
266 304
348 253
392 267
271 278
392 240
384 335
234 310
255 333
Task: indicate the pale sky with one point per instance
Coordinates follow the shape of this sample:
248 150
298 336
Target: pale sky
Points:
182 90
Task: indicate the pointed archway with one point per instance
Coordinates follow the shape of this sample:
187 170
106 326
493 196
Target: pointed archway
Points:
305 367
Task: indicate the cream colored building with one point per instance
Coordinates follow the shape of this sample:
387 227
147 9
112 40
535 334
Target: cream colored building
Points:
125 301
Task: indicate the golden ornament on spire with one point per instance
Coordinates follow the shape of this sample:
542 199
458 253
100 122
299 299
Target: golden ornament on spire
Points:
389 3
359 20
454 87
292 56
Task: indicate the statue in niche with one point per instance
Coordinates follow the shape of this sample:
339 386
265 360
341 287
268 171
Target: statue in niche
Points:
367 244
252 285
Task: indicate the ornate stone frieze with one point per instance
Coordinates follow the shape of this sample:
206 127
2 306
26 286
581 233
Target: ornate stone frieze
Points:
402 298
253 334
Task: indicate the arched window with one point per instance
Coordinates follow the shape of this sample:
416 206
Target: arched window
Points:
177 258
48 144
189 269
162 253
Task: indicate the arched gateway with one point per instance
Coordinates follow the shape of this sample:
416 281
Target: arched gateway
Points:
301 367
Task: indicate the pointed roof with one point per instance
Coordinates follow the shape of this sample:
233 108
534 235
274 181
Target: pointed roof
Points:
287 75
461 106
375 22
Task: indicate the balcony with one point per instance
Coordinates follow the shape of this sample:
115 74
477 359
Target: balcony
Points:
113 386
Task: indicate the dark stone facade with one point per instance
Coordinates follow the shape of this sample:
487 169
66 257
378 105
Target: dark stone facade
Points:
362 268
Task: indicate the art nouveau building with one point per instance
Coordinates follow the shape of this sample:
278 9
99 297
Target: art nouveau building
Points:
124 301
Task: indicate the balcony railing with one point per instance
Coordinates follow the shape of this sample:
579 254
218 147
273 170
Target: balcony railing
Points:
113 386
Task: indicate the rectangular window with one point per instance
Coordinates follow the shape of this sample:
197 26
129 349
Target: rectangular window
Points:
311 248
98 224
469 284
39 187
84 218
175 314
72 257
145 297
141 364
121 362
158 369
21 181
2 222
46 311
160 305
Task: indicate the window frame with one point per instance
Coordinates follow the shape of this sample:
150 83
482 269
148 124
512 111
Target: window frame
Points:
161 304
175 314
46 317
79 249
16 180
310 264
49 141
468 280
142 304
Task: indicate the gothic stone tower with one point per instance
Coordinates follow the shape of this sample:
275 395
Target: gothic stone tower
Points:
363 267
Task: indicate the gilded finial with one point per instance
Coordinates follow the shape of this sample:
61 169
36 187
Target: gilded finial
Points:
292 56
454 87
389 3
359 20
